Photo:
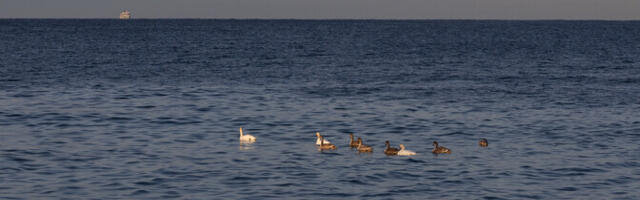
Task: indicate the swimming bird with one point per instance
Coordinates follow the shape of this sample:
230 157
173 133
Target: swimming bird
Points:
404 152
439 149
246 137
353 143
390 150
318 139
325 146
484 143
362 147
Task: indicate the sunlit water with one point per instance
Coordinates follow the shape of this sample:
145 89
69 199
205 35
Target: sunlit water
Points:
148 109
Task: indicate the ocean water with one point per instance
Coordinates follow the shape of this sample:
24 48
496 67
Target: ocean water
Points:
150 109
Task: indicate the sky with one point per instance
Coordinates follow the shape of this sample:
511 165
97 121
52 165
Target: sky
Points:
326 9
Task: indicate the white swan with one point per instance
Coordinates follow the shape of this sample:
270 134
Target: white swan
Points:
404 152
246 138
318 141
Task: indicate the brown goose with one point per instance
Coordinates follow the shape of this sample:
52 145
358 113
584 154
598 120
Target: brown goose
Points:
439 149
324 146
353 143
484 143
390 150
362 147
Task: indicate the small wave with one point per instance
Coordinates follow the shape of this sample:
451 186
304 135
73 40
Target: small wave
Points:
145 107
19 159
412 160
139 192
569 189
578 169
355 181
154 181
455 133
492 198
9 170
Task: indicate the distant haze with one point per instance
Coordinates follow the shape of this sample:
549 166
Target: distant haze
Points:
326 9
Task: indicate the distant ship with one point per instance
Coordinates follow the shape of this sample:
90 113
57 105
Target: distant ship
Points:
125 15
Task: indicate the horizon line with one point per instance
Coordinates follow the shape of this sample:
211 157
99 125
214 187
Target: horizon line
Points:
330 19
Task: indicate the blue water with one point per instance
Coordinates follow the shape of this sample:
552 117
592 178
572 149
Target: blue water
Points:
149 109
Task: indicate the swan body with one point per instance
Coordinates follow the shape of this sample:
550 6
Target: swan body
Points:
404 152
390 150
246 137
318 140
439 149
362 147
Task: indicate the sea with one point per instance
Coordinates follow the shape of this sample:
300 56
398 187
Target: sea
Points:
151 108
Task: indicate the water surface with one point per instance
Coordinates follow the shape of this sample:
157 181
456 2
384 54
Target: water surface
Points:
147 109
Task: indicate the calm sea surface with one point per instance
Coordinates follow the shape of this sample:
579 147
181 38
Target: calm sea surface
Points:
150 109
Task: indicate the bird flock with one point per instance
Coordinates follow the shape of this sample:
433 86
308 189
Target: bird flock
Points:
324 144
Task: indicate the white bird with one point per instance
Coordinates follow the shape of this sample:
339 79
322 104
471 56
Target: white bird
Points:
404 152
246 138
318 141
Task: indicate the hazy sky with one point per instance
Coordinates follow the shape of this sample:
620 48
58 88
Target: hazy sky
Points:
323 9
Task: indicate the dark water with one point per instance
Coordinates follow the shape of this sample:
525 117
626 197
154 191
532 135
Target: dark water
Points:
148 109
